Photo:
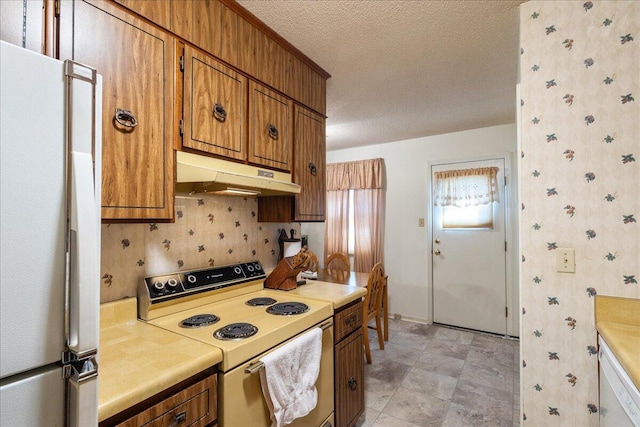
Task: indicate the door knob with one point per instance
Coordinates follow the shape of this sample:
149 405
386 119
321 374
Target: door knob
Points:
436 252
437 241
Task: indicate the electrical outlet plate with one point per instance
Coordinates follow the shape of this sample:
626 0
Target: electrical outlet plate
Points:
566 260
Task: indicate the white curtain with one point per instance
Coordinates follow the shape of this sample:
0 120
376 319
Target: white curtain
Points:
466 187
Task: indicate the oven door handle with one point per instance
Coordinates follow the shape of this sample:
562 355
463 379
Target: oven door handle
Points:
256 366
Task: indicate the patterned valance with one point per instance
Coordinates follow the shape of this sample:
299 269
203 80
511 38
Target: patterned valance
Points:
466 187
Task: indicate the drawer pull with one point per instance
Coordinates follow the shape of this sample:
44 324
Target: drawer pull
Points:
125 118
219 113
353 384
313 169
352 319
181 417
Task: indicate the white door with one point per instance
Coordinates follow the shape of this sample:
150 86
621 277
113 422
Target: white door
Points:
469 258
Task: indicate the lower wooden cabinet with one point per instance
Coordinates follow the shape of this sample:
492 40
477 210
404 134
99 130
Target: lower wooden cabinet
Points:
349 365
194 406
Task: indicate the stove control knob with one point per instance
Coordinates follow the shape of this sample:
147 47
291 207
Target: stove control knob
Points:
237 269
257 266
250 268
172 283
191 278
158 286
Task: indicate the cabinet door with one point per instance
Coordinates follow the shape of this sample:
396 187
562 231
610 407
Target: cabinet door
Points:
309 171
156 11
136 63
214 106
207 18
349 380
270 128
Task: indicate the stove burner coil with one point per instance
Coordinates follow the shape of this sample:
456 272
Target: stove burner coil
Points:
199 320
235 331
261 301
288 308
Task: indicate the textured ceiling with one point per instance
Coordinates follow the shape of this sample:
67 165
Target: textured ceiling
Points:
405 69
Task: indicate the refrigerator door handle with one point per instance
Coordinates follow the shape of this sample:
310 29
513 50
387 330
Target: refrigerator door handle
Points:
84 273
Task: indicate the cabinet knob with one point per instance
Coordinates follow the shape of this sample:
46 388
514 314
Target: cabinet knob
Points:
219 113
353 384
125 118
313 169
273 131
436 252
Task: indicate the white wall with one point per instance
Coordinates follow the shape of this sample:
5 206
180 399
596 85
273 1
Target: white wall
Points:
407 258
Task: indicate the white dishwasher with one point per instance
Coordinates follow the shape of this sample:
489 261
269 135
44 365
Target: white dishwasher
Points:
619 397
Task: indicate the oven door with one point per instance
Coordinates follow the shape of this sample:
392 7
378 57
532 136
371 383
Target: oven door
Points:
240 399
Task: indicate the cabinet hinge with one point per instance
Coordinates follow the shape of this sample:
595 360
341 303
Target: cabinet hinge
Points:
181 127
505 246
505 180
506 312
181 62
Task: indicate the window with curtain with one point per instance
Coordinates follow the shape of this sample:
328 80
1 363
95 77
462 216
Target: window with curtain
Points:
355 203
467 197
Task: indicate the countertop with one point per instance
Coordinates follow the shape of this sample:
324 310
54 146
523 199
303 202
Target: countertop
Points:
338 295
618 322
134 356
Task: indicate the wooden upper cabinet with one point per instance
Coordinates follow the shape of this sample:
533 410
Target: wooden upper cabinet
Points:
156 11
214 106
309 170
270 128
23 24
136 61
209 25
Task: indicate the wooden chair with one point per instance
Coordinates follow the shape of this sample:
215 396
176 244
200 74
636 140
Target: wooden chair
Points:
372 307
313 263
338 261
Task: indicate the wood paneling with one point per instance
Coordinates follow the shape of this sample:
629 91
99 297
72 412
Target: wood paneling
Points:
229 24
275 209
207 22
157 11
209 83
181 18
349 380
137 64
270 110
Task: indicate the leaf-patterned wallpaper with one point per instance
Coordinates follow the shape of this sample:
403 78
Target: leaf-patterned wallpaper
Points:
208 231
580 188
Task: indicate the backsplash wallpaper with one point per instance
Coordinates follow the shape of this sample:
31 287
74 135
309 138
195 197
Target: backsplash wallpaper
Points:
580 178
208 231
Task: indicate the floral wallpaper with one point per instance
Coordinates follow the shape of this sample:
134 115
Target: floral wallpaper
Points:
580 178
208 231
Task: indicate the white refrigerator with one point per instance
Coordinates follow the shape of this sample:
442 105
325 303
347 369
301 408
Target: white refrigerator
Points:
50 135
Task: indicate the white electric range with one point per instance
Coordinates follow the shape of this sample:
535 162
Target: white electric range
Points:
227 307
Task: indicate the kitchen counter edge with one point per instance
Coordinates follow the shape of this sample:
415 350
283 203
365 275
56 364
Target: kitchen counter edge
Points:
138 361
338 295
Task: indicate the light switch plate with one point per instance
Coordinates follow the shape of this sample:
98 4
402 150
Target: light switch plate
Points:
566 260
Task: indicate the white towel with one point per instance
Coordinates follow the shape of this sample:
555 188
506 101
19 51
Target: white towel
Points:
289 378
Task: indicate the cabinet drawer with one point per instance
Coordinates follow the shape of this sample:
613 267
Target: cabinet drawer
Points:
347 321
193 406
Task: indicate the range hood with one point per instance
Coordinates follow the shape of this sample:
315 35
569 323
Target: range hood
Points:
201 174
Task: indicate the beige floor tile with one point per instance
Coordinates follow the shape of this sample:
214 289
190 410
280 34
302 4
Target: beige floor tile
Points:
419 380
417 408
